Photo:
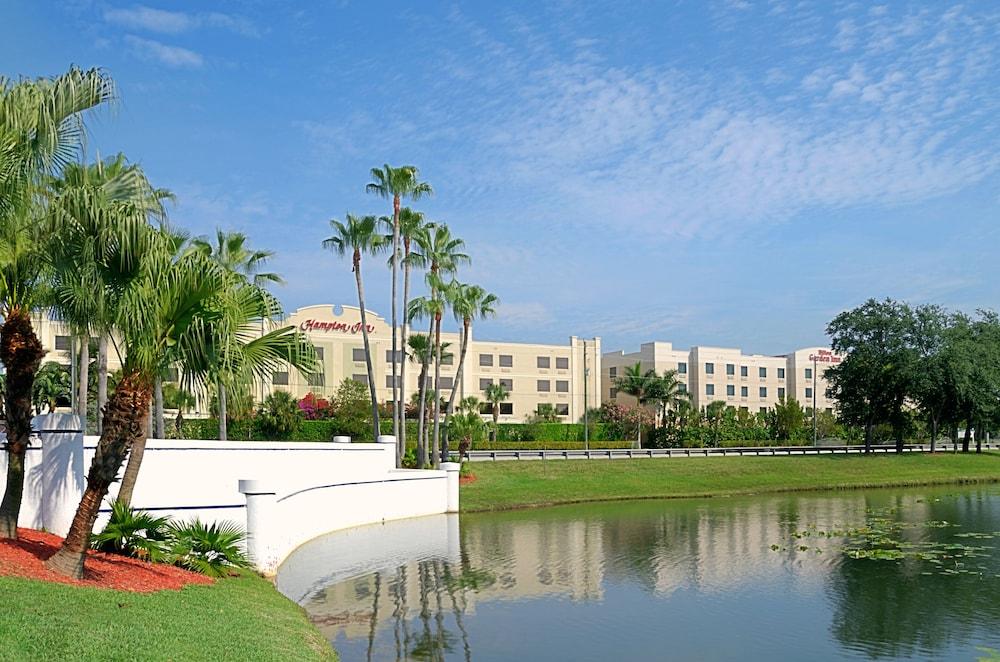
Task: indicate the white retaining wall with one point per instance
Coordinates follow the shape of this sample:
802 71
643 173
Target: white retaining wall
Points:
312 488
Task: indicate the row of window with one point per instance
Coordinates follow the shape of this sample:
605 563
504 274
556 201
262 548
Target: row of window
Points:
744 391
682 369
507 408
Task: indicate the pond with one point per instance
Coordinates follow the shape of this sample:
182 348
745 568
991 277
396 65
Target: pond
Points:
882 574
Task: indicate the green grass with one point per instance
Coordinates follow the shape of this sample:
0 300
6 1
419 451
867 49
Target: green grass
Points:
524 484
239 618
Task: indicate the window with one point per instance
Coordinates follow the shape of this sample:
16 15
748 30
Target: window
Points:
744 391
763 391
682 368
388 381
613 372
484 383
709 389
543 385
730 369
507 384
358 354
62 343
781 393
447 359
318 379
562 386
682 388
388 356
809 392
562 363
613 393
485 408
730 390
543 362
562 409
485 359
361 378
506 408
781 373
763 410
743 371
446 382
319 353
279 379
809 373
762 372
709 368
506 361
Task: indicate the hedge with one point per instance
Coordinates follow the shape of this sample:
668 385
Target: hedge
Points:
547 445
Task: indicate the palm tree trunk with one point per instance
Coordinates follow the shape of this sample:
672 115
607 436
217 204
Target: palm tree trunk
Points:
422 395
124 423
401 439
437 391
223 413
368 351
466 326
102 380
83 374
395 322
158 409
21 353
131 474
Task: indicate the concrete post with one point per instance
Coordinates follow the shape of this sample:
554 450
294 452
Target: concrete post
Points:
388 442
452 469
262 502
340 439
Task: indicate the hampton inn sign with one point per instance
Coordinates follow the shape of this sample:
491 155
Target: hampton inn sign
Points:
330 327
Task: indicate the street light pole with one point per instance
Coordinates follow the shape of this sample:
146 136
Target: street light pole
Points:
586 420
814 400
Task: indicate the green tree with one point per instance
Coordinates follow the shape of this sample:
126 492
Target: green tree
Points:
786 420
396 184
52 387
359 236
667 391
641 385
41 131
495 394
411 223
875 377
715 413
468 303
185 309
279 416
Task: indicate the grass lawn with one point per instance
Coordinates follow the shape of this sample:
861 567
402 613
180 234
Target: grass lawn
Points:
527 483
240 618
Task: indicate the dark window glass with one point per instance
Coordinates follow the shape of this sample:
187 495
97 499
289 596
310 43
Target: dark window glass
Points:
358 354
682 368
562 409
506 408
280 379
506 361
562 363
486 359
543 362
562 386
62 343
709 368
543 385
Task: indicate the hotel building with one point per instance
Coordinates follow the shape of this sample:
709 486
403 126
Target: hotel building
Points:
533 374
745 381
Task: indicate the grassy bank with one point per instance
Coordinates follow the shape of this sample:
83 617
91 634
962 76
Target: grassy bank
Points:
522 484
240 618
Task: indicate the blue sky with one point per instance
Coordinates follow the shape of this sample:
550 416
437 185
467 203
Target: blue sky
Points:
717 173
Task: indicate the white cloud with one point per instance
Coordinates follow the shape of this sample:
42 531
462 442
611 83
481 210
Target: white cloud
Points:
140 17
172 56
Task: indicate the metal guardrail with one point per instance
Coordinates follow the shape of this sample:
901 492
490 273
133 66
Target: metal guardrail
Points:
630 453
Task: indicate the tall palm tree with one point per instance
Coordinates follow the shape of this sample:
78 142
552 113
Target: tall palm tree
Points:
189 305
397 183
640 384
667 391
359 236
495 394
41 131
431 307
410 224
230 251
422 353
468 302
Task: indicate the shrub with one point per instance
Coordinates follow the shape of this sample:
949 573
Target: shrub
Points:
209 549
547 445
133 533
279 416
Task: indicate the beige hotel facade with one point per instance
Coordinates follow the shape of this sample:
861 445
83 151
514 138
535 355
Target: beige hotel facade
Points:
754 382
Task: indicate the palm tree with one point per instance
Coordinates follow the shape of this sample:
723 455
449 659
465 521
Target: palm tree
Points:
422 352
396 183
230 251
410 224
41 131
495 394
468 302
715 412
52 384
183 309
432 307
359 236
641 385
666 390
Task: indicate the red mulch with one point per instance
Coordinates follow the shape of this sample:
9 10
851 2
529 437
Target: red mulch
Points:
465 480
25 558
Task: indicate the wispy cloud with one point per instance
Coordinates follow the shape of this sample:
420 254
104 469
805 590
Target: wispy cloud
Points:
141 17
172 56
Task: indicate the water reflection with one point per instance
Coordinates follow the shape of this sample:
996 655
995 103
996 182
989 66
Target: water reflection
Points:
619 580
